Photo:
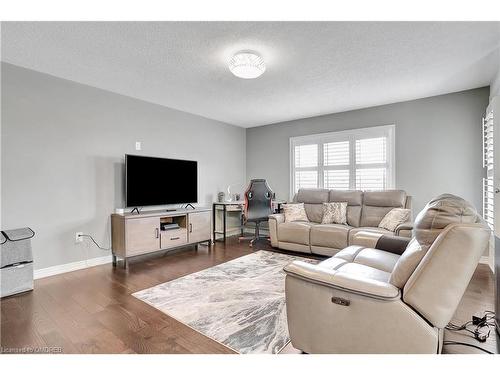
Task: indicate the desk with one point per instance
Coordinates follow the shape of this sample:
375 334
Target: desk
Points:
235 206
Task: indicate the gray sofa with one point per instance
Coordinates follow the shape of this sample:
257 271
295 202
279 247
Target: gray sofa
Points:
365 210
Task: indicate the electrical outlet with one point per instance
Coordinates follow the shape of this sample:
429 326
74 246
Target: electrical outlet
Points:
78 237
138 146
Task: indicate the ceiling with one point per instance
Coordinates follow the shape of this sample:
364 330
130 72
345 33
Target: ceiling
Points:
313 68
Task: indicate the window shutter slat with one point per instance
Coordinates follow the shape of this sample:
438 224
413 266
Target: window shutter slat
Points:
306 179
371 179
306 156
336 179
371 151
336 153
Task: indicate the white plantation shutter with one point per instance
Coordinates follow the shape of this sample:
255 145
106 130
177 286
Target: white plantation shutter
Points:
488 184
355 159
371 163
306 156
336 153
336 179
306 163
371 179
371 151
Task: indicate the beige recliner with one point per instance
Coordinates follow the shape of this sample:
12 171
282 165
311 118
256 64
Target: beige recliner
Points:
369 300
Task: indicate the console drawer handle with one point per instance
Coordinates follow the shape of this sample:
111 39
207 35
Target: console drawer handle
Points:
174 238
341 301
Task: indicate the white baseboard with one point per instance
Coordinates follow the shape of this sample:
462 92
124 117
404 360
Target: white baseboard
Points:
68 267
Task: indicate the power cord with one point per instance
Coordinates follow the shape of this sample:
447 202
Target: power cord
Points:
94 241
481 332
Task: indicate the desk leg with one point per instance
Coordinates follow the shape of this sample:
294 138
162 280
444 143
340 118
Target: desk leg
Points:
224 222
214 223
241 223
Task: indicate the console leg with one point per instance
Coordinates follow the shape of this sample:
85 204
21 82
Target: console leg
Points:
114 260
125 263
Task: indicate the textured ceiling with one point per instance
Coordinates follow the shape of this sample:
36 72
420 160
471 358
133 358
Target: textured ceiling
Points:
313 68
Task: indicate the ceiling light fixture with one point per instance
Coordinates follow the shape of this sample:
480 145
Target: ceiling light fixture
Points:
247 65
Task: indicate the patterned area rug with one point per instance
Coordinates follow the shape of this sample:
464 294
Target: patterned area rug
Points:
240 303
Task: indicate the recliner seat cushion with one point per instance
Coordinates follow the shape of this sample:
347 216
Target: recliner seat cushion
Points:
295 232
330 235
363 262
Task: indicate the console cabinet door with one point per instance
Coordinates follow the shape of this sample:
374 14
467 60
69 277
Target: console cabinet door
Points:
199 226
143 235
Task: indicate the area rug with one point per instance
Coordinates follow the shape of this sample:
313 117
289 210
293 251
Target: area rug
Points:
240 303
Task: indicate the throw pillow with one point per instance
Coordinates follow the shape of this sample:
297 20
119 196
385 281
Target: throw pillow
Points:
334 213
294 212
393 218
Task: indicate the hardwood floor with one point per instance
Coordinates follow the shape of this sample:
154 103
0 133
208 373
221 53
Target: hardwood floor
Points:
92 310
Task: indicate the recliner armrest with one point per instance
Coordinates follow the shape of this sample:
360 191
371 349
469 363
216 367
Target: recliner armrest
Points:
408 226
343 281
389 243
280 218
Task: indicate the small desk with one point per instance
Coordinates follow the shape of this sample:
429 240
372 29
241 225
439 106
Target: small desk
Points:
235 206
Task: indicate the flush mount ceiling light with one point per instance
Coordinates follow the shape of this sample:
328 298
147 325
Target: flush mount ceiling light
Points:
247 65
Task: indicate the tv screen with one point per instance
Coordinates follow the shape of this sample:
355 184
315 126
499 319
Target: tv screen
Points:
155 181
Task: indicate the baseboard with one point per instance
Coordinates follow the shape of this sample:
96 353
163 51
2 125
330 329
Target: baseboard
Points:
68 267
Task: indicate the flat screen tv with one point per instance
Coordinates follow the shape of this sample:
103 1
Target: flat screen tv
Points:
153 181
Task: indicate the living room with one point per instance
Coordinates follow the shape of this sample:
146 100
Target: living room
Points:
278 186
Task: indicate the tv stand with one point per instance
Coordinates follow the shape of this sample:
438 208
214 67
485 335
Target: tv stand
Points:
135 209
190 205
137 234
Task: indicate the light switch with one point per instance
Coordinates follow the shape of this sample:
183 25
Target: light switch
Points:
138 146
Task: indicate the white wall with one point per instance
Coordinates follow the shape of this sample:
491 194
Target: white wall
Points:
438 144
63 147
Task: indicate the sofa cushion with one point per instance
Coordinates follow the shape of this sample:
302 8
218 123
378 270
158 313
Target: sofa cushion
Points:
295 232
395 217
294 212
354 199
353 231
365 271
334 213
379 259
314 211
376 204
312 196
330 235
407 263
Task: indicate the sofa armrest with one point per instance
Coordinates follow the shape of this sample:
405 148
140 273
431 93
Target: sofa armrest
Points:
404 229
347 282
274 221
280 218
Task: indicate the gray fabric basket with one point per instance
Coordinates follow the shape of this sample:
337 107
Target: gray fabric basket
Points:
16 261
16 246
16 279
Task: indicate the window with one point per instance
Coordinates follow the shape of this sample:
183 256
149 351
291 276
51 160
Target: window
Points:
488 163
361 159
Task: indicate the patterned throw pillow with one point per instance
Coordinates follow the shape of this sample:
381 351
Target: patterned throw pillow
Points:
294 212
393 218
334 213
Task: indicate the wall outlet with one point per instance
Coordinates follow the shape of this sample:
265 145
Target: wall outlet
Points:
78 237
138 146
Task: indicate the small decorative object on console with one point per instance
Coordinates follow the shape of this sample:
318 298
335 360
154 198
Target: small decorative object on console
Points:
220 197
